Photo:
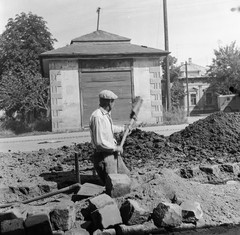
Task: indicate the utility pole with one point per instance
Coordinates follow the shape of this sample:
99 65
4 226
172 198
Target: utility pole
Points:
98 11
168 93
186 72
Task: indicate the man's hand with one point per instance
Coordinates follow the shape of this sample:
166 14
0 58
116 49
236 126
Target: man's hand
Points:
119 149
133 115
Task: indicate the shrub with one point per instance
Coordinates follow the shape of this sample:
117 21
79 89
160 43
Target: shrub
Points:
174 117
17 126
42 125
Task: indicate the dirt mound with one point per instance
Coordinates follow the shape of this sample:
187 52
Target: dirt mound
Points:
211 140
216 136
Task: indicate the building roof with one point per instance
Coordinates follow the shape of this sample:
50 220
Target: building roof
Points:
100 36
99 45
194 70
89 50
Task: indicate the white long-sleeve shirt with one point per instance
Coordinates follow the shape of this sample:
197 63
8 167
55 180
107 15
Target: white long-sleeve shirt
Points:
102 130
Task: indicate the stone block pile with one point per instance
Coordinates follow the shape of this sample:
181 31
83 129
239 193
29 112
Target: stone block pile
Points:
214 174
98 212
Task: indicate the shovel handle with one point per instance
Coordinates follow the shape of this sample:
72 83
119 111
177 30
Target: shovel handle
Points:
63 190
126 132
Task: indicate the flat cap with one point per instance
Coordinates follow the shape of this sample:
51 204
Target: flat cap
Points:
108 95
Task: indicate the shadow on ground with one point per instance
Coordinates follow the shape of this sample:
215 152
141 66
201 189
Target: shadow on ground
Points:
67 178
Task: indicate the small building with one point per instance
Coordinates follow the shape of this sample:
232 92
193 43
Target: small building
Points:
202 97
98 61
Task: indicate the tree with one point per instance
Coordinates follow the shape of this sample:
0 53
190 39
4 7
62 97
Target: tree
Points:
225 69
177 90
177 94
173 68
22 89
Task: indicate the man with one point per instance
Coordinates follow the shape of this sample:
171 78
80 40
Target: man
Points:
106 158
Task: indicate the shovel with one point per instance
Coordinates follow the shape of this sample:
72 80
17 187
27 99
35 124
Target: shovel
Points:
133 117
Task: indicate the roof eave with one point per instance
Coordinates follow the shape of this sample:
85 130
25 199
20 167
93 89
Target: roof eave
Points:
64 55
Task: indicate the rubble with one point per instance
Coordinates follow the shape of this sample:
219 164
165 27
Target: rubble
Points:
189 180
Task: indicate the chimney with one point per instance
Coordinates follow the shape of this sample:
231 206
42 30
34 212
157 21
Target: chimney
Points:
189 60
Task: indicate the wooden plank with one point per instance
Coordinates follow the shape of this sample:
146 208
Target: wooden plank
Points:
105 64
118 82
120 69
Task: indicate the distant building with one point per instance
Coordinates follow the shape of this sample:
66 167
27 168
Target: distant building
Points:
98 61
202 97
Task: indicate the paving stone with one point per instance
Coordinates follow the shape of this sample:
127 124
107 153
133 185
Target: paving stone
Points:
132 213
8 216
58 233
137 229
100 208
167 215
100 201
211 169
38 225
88 190
118 185
63 216
97 232
110 231
231 168
189 172
191 211
78 231
106 216
12 227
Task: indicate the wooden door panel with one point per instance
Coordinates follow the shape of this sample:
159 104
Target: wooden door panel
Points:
118 82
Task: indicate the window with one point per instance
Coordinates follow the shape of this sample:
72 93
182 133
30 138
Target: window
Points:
208 98
193 99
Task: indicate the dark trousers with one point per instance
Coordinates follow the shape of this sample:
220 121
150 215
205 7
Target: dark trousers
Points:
108 163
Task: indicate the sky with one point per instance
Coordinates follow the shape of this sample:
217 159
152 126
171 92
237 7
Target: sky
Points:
195 27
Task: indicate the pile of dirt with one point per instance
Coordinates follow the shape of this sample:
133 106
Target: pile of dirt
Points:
215 135
211 140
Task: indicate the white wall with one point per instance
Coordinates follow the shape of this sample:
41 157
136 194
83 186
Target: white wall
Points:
142 75
65 98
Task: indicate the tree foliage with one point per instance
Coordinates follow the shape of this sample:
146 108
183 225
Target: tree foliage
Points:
177 90
177 94
225 69
22 89
174 70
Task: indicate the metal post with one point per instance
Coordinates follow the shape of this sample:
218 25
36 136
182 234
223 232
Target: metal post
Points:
186 72
77 168
98 11
168 93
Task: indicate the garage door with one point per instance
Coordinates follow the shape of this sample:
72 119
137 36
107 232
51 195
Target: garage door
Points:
117 81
